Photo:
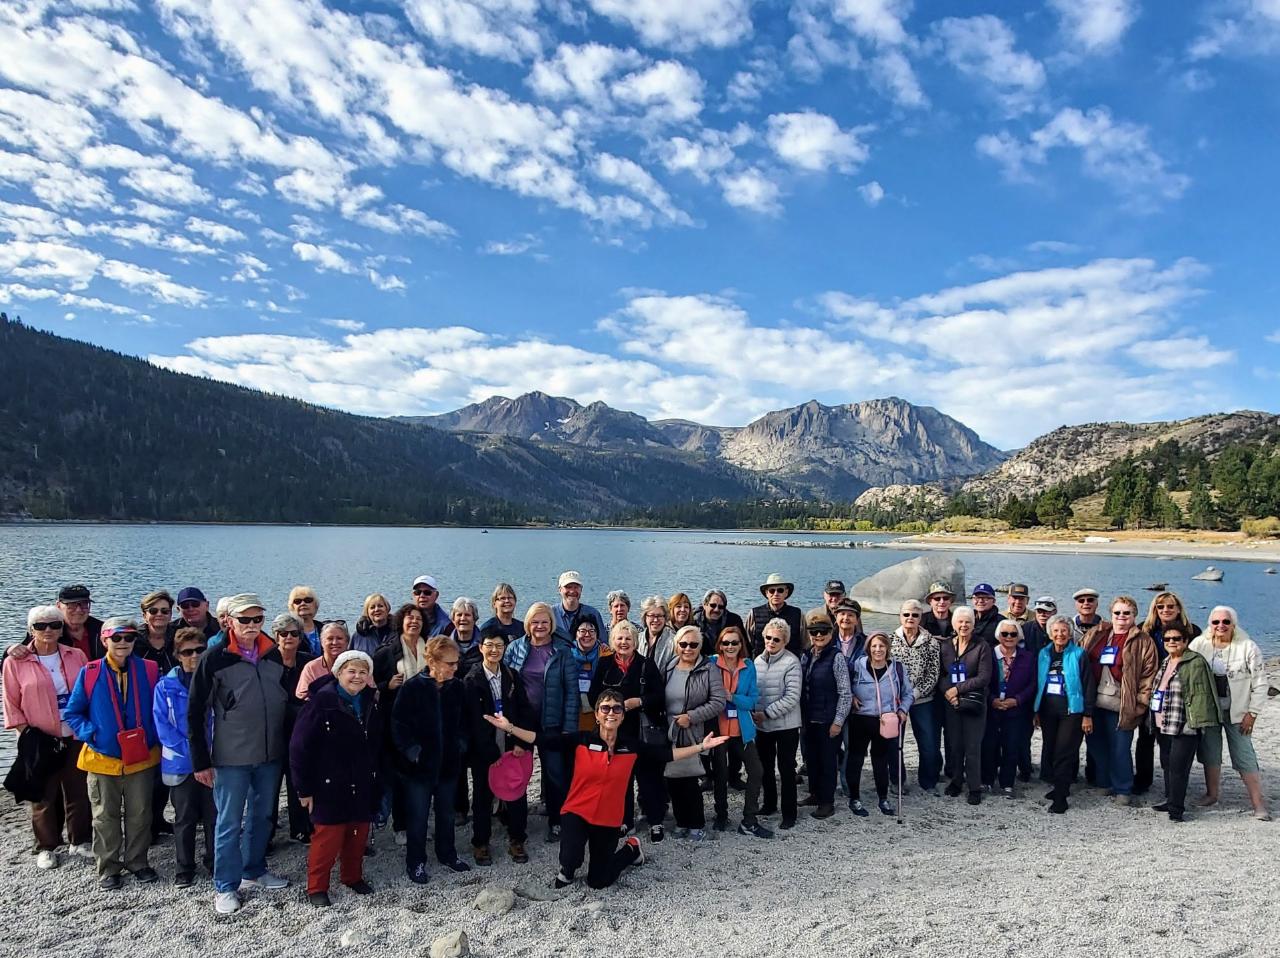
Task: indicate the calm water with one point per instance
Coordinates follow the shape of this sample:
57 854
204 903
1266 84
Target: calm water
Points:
120 564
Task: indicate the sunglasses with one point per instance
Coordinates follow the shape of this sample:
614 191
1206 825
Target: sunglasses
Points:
1219 621
614 709
303 600
189 652
715 606
82 605
424 591
158 610
249 619
1122 613
773 638
289 634
910 615
777 590
1008 635
190 604
1174 638
818 631
688 645
123 637
730 644
47 626
1087 600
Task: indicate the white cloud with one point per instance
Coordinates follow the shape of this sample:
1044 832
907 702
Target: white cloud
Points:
17 296
1095 26
711 152
54 183
152 281
581 72
151 211
1180 352
814 142
750 189
218 232
681 24
667 91
983 48
528 244
324 258
860 35
1235 28
505 29
346 325
1116 153
872 193
51 129
251 268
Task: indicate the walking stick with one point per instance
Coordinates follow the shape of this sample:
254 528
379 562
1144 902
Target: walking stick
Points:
900 736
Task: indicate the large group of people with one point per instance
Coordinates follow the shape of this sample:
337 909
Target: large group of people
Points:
424 717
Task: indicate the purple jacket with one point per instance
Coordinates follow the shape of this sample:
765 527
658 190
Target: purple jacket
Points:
1019 684
333 755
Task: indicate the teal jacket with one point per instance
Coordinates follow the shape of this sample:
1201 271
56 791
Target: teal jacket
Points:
1074 666
745 699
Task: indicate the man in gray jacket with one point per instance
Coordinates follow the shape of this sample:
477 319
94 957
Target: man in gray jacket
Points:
238 692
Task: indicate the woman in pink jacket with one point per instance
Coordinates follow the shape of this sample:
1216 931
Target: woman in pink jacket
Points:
36 689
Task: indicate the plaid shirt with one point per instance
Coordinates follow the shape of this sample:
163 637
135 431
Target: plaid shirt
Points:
1172 717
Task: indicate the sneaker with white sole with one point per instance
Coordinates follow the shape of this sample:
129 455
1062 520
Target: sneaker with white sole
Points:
402 838
634 843
226 903
266 880
84 850
46 860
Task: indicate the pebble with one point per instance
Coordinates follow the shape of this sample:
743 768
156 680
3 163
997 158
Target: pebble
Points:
452 945
494 900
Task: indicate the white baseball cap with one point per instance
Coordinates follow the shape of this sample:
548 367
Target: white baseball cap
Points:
570 578
429 580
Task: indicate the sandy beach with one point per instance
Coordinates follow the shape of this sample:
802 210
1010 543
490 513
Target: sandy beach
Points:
1003 879
1207 546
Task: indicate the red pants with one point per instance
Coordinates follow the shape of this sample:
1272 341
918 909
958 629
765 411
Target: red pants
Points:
328 842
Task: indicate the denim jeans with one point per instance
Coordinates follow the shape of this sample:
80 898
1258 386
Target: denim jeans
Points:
1112 752
243 795
419 796
927 731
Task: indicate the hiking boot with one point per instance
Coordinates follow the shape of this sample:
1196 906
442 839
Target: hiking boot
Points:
481 854
517 853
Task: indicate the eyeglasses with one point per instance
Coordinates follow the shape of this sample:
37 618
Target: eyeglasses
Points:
304 600
123 637
688 645
424 591
82 604
1087 600
776 590
190 604
289 634
715 606
1174 638
773 638
910 615
587 628
1008 635
158 610
250 619
1121 613
730 644
47 626
1219 621
493 645
188 652
614 709
818 631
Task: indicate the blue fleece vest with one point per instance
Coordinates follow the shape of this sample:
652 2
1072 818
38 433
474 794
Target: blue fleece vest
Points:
820 696
1071 658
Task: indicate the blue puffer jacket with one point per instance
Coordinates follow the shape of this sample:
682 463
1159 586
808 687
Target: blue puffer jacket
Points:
169 709
560 692
92 716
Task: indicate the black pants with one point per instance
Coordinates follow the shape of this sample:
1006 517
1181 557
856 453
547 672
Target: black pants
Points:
686 802
941 709
1144 759
299 820
460 795
192 806
822 754
1061 752
1177 755
159 799
607 861
778 758
722 763
964 738
647 779
1002 746
864 735
482 810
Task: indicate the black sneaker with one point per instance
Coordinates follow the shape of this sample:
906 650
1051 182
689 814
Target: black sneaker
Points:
1058 808
361 887
823 811
457 865
110 882
787 823
561 880
145 875
553 834
1162 807
657 834
319 898
184 880
954 790
975 798
721 823
755 829
418 874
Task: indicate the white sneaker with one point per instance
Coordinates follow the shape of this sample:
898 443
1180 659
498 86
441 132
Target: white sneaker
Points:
266 880
402 838
84 851
226 903
46 860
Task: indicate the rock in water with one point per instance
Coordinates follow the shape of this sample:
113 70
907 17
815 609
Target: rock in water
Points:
495 901
1209 575
452 945
889 588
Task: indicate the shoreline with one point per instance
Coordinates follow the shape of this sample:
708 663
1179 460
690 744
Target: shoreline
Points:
1259 551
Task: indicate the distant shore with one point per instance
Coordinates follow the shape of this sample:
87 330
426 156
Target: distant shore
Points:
1207 545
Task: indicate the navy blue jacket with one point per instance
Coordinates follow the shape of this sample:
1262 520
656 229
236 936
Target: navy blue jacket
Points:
333 754
428 730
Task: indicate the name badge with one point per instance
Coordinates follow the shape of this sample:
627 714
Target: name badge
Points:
959 673
1055 685
595 748
62 704
1157 701
730 711
1004 686
584 685
1109 655
497 706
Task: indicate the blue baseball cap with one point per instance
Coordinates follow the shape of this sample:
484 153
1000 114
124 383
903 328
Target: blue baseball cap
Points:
984 588
191 594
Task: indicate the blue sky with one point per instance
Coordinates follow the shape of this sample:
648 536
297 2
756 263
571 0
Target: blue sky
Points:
1025 214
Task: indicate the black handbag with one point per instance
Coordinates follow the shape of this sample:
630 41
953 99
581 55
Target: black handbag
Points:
650 732
39 755
972 702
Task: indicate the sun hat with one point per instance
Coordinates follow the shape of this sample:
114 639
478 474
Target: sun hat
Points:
509 775
940 588
775 578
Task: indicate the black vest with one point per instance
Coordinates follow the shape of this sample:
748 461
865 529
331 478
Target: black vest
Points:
761 615
819 697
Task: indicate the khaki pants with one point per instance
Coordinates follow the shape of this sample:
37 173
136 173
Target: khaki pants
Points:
121 820
65 796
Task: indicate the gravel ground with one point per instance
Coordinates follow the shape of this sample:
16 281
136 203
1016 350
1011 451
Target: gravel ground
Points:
1003 879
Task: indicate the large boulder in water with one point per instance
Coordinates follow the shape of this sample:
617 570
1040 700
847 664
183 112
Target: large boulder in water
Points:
889 588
